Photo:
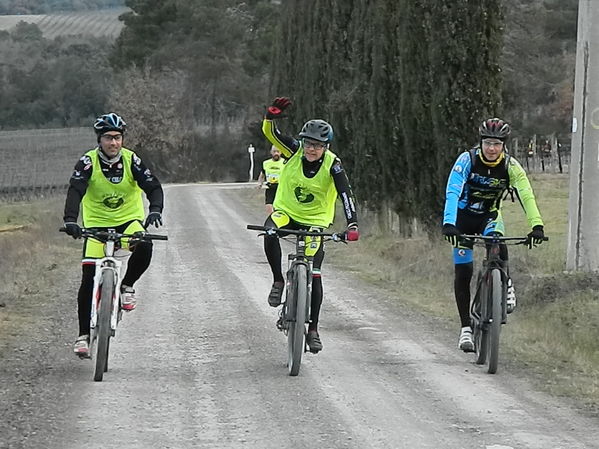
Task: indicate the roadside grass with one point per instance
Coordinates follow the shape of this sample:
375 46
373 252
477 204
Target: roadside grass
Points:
552 336
35 260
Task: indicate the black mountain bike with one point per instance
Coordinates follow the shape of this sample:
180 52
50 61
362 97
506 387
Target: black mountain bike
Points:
106 309
295 313
488 310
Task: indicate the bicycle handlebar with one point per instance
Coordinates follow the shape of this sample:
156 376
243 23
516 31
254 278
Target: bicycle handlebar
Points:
104 236
486 239
336 237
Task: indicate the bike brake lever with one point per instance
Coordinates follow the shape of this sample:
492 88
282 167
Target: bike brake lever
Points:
338 238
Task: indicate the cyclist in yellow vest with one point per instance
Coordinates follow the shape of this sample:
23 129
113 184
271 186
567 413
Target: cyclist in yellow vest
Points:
309 184
108 182
271 170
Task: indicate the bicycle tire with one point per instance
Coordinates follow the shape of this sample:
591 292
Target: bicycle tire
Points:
495 326
103 324
297 327
107 354
481 334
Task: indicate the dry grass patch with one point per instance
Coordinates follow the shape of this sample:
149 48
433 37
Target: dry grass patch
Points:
35 260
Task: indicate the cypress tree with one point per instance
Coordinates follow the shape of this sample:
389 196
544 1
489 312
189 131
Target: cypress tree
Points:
404 82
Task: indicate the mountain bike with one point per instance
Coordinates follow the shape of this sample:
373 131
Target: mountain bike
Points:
488 309
295 313
106 311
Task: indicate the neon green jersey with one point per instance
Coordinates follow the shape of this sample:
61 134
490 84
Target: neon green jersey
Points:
106 204
272 170
308 201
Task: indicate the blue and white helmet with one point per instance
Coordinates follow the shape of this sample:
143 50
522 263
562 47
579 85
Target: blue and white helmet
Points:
109 122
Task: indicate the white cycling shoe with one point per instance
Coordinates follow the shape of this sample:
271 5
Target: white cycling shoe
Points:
128 300
465 343
510 301
81 347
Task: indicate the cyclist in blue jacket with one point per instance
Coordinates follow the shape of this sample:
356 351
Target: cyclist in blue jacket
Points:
476 185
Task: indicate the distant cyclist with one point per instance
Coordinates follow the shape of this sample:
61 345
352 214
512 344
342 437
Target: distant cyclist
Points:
310 182
271 170
108 182
476 185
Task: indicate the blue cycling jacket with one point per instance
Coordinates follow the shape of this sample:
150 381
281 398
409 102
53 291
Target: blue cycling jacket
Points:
478 188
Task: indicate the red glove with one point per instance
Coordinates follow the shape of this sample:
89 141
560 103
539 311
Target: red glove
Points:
352 234
277 108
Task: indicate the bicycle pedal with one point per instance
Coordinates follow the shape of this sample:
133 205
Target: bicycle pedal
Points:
282 325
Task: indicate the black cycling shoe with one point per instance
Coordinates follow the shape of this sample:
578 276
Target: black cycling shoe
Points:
313 342
276 292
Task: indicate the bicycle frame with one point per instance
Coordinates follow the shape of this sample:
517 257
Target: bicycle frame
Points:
491 262
488 309
294 259
104 317
107 263
296 308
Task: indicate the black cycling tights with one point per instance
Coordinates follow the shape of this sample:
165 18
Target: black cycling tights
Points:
137 265
315 303
461 285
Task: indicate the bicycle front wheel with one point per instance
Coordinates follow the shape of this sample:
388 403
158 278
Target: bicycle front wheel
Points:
495 325
297 327
103 324
481 332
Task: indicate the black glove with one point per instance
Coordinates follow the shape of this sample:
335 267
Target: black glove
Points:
277 108
451 234
536 236
73 229
154 218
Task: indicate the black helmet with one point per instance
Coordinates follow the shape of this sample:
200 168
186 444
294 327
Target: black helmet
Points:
109 122
494 128
317 130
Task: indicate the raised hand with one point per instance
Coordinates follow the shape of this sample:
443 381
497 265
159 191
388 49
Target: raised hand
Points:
277 108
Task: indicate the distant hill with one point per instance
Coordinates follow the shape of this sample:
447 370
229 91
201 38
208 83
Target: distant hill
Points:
97 23
54 6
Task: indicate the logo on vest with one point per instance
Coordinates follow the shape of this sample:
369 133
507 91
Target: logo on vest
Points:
301 196
113 202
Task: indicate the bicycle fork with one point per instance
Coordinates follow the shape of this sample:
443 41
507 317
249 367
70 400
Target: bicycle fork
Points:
114 266
288 312
483 322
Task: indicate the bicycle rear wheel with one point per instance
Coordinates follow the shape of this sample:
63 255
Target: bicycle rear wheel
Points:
103 325
297 327
481 333
495 325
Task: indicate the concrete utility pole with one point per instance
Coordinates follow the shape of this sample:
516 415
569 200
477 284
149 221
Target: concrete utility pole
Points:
583 230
